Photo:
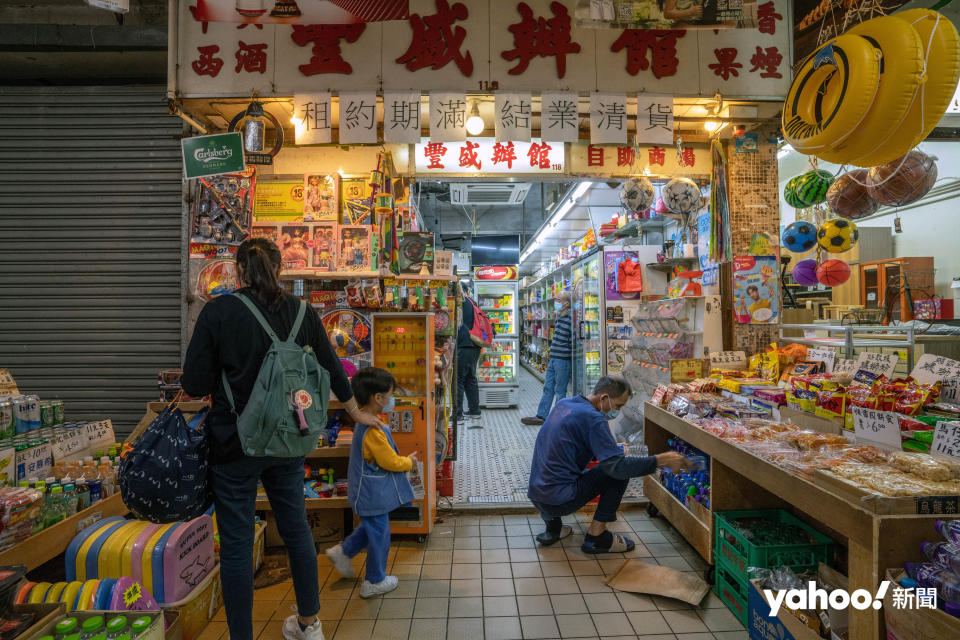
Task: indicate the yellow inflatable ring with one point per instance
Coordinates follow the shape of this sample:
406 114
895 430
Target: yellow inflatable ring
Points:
831 93
941 45
901 71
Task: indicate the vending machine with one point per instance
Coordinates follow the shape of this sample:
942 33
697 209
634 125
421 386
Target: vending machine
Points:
498 297
588 344
403 345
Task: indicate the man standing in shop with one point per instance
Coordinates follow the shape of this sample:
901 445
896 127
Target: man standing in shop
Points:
558 366
577 432
468 355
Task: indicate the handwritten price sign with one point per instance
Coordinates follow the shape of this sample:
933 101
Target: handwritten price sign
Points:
69 444
827 356
930 368
881 428
730 360
946 440
878 363
99 435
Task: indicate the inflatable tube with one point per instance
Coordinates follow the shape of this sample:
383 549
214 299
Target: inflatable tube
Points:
87 564
24 592
56 590
901 72
103 594
941 44
831 93
39 593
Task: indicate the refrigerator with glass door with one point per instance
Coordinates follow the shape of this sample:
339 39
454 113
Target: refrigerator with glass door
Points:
497 369
588 333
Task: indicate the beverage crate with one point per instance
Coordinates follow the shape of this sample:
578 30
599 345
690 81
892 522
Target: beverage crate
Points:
733 592
739 554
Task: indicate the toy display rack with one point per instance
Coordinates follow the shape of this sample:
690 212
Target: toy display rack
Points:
877 533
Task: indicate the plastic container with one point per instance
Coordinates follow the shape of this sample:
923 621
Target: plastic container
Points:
65 628
950 530
929 575
733 592
944 554
739 553
91 627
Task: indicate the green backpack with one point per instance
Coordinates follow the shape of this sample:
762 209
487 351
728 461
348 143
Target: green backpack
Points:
287 409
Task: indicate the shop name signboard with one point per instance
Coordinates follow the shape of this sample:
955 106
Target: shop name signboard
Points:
496 273
483 46
212 155
489 157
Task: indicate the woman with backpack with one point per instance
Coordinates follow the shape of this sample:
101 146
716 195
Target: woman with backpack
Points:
224 358
468 356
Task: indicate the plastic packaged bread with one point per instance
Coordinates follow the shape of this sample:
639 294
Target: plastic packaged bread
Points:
928 468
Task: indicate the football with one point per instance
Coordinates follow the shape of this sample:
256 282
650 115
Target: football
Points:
799 237
681 195
837 236
637 194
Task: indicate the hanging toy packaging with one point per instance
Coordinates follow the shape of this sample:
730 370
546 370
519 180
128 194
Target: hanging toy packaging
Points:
372 295
393 297
354 291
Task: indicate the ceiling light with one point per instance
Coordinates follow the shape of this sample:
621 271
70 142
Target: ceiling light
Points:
475 124
712 125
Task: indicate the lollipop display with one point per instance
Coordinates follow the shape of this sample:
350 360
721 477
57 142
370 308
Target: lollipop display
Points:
902 181
849 198
637 194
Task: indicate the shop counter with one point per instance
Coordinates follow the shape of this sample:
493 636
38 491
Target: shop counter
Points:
878 533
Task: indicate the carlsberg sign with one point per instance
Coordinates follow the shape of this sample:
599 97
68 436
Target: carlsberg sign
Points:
212 155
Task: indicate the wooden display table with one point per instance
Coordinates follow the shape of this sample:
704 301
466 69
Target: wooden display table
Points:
875 538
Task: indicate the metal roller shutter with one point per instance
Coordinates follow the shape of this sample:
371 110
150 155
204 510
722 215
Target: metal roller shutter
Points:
90 246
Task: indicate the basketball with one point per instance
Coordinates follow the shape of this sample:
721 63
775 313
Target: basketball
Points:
805 273
637 194
849 198
833 273
895 184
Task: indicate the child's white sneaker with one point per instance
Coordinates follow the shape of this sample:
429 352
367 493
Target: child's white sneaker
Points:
340 561
292 630
371 590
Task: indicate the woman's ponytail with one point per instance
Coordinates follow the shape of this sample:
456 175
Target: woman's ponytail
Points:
260 260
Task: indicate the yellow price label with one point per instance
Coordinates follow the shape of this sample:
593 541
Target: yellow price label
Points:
132 595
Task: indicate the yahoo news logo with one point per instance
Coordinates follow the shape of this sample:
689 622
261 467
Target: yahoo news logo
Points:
814 598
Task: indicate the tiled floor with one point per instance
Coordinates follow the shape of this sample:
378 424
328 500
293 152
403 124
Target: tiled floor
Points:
483 577
494 462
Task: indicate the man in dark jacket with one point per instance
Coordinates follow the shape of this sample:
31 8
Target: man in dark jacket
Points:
468 355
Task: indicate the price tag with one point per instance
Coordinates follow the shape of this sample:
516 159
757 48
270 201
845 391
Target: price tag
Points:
69 445
881 428
827 356
686 369
950 392
845 366
930 368
877 363
99 435
946 440
730 360
34 462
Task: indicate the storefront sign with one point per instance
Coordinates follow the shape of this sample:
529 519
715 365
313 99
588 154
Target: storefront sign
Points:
946 440
212 155
616 161
488 157
312 117
496 273
448 117
310 12
654 119
358 117
559 118
278 201
480 45
877 427
608 118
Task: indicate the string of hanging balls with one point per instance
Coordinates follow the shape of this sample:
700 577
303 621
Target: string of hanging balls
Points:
866 98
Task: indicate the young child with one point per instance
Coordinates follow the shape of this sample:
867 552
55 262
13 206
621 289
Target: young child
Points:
377 485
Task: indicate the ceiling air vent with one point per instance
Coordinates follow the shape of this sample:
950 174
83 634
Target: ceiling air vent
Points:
488 193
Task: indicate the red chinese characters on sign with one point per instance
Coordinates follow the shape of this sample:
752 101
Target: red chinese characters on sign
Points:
469 156
435 151
207 64
542 37
326 57
767 61
539 155
625 156
436 42
594 156
661 44
688 158
203 23
251 58
726 64
504 153
767 17
656 156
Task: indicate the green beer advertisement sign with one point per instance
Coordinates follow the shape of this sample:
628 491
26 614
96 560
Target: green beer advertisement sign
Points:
212 155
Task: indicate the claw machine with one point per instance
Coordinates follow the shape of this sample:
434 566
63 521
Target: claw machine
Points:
588 344
403 345
498 297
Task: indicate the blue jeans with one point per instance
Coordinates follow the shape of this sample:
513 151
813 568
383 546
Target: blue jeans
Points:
591 484
555 384
373 534
235 494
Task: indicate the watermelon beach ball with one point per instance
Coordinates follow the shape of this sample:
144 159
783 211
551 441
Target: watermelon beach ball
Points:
799 237
812 187
833 273
805 273
790 194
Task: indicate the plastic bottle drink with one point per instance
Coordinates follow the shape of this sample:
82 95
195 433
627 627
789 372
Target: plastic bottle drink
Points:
116 626
83 494
140 625
929 575
69 500
66 627
943 554
41 486
91 627
54 510
96 494
950 530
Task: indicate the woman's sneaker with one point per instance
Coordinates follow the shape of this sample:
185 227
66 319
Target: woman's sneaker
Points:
292 630
371 590
340 561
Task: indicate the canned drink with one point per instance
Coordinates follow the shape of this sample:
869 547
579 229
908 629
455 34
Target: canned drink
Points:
21 411
58 411
8 419
48 415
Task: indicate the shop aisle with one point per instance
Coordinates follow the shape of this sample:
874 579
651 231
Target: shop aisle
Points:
493 465
450 588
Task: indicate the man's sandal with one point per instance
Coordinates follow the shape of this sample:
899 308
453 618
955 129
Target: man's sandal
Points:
619 545
546 538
